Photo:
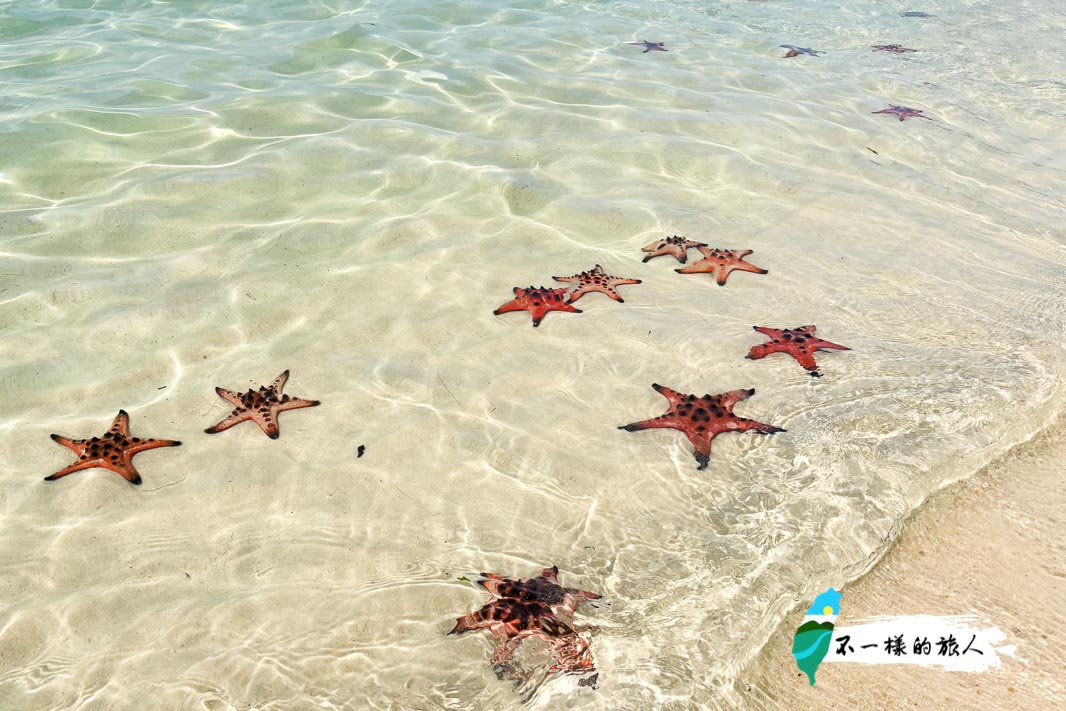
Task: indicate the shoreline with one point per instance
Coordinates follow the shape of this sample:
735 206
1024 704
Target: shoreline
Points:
990 545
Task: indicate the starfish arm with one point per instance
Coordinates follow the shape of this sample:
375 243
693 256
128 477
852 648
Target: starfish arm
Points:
819 344
572 598
743 266
295 403
75 467
78 445
728 400
701 444
762 350
721 274
661 422
570 279
613 294
124 466
267 423
229 395
615 281
235 418
661 251
767 331
696 268
805 359
550 574
466 623
279 382
146 444
576 294
669 393
513 305
121 425
743 424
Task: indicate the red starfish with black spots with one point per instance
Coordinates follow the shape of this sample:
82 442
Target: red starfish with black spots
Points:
538 301
113 450
894 48
902 112
260 406
702 419
595 280
527 608
798 342
544 588
675 246
721 263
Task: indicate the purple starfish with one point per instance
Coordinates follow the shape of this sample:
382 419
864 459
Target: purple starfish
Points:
794 51
896 48
649 46
903 112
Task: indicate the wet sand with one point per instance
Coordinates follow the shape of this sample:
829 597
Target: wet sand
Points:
992 546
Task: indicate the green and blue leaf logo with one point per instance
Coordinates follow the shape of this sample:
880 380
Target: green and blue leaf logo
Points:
814 637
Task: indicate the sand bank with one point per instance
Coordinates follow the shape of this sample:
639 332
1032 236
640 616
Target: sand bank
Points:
991 546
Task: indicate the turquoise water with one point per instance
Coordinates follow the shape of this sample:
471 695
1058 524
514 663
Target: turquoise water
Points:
206 194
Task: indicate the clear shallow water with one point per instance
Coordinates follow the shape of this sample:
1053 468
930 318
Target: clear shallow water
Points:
204 194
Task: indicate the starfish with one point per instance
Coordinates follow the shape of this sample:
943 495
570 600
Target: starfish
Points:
508 619
702 419
595 280
649 46
537 300
525 608
721 262
260 406
794 51
896 48
543 588
676 246
798 342
113 450
915 13
903 112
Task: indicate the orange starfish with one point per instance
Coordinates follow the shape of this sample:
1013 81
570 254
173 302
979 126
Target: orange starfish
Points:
261 407
537 300
702 419
676 246
595 280
113 450
798 342
721 262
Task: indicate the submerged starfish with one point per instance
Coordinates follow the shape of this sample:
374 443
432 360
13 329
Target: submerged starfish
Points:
537 300
676 246
903 112
507 618
649 46
526 608
702 418
260 406
543 588
794 51
595 280
896 48
915 13
722 262
798 342
113 450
